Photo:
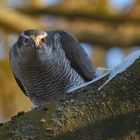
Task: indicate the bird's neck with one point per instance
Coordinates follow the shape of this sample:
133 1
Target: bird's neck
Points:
30 57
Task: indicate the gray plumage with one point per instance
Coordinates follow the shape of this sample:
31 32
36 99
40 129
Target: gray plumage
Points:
47 64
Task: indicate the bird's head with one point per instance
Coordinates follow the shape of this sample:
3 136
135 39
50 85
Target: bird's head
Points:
32 39
36 42
37 45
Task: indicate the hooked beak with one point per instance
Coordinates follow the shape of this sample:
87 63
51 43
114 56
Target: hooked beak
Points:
33 45
38 41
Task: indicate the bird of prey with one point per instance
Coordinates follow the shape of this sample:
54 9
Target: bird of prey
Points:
46 64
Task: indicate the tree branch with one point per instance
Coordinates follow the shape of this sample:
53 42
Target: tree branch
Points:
104 36
107 38
89 12
111 113
15 21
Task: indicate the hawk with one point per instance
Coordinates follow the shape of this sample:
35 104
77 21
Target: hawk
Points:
46 64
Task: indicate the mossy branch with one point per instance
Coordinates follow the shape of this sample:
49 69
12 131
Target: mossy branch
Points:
111 113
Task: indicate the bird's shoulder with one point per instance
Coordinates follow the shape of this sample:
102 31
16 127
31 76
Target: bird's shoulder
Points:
76 54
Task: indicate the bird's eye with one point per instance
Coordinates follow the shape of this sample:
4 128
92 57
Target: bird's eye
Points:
43 40
25 40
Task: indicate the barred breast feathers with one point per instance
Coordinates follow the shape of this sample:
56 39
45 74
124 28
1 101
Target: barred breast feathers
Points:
46 77
46 73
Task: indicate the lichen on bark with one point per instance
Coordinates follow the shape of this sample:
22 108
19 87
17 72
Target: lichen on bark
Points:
111 113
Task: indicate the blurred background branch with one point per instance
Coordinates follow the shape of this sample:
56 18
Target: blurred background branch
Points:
103 35
12 20
84 11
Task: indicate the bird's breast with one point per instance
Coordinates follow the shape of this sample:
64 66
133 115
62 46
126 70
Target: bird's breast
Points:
47 80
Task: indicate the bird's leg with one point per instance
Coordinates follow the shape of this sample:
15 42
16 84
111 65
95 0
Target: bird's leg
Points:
34 107
44 106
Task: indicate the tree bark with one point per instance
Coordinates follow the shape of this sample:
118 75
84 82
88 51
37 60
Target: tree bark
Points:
87 113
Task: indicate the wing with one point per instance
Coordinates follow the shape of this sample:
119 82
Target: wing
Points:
11 53
76 54
20 85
